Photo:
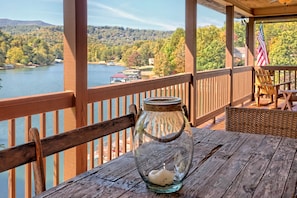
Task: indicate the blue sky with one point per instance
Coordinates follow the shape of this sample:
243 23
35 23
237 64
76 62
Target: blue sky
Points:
140 14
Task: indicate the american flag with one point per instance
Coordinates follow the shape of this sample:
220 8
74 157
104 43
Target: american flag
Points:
262 58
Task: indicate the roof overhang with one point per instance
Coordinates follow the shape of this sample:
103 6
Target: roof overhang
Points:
259 9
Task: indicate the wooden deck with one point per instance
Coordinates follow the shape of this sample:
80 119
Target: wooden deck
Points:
219 123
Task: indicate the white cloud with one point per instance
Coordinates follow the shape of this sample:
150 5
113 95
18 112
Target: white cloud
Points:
125 15
206 21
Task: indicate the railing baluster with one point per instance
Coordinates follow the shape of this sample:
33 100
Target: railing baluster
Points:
11 173
28 171
109 137
91 144
42 121
100 149
124 132
56 156
117 134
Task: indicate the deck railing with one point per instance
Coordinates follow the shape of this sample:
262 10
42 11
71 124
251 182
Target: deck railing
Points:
283 74
213 88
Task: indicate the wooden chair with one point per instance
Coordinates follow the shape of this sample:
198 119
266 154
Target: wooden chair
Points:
37 149
265 86
261 121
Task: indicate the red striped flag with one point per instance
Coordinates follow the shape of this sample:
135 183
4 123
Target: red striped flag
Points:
262 58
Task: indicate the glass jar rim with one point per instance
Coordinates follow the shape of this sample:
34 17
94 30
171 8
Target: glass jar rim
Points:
162 100
162 104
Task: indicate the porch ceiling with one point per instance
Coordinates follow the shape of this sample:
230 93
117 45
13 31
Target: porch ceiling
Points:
259 9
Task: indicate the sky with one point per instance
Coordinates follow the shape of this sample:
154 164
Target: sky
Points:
140 14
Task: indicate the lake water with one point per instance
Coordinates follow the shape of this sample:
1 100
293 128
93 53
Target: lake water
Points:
25 82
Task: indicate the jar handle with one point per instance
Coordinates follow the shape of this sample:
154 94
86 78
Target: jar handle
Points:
164 140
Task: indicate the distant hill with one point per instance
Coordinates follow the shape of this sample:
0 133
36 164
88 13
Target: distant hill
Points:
9 22
112 36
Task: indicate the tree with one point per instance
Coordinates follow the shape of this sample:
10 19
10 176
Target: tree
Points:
145 52
134 59
283 49
161 60
239 34
165 59
2 58
14 55
179 55
210 48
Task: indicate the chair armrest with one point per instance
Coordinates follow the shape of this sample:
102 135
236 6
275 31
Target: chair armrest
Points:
284 83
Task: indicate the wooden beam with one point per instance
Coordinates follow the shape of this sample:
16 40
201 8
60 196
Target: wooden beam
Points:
230 44
250 42
75 79
276 11
240 8
190 54
229 36
276 19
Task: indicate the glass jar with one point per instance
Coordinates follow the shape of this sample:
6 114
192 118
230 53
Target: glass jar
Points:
163 144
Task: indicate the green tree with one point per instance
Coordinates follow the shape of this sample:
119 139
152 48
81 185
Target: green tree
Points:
210 48
179 55
145 50
161 60
283 49
2 58
165 59
239 34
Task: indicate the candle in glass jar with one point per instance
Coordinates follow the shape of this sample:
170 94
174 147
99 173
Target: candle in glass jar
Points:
161 177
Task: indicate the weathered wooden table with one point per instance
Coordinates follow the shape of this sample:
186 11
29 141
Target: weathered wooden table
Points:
225 164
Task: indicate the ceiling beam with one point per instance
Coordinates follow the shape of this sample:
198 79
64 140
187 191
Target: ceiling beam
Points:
276 11
275 19
220 6
240 8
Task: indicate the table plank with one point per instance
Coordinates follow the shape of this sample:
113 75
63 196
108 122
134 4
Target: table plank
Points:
273 182
246 182
200 134
290 188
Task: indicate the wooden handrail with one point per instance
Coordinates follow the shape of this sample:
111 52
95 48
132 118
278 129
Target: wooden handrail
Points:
29 105
117 90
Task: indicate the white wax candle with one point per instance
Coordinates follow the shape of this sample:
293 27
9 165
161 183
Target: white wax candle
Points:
161 177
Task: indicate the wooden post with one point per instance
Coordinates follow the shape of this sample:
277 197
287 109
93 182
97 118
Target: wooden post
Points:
75 79
230 45
190 55
250 42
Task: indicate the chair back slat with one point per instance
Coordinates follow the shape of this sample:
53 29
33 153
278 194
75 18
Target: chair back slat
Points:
264 80
262 121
